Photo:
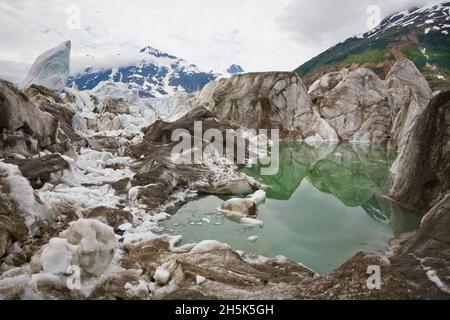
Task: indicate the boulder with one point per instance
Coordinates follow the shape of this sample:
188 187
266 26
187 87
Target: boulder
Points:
113 217
40 170
161 131
356 108
25 129
12 229
100 142
266 100
49 101
121 185
326 83
116 105
19 199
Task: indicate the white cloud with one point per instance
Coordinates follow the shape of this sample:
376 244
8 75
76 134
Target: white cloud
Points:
320 24
258 34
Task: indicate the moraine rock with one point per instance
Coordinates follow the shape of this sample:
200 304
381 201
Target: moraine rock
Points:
161 131
423 167
267 100
425 256
26 129
40 170
113 217
405 83
49 101
115 145
158 174
50 69
356 108
116 105
409 95
12 228
326 83
12 223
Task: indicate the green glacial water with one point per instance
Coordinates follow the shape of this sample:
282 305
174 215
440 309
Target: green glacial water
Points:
322 207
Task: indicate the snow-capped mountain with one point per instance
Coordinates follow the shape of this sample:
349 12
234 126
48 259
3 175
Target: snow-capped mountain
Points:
155 74
428 18
420 34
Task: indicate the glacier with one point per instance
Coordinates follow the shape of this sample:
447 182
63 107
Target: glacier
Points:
51 69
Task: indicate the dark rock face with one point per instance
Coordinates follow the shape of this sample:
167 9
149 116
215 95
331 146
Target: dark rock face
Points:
49 101
11 229
12 224
115 145
39 170
25 128
424 260
161 131
423 169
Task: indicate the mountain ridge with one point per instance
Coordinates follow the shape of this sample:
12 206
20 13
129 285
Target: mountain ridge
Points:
419 34
155 74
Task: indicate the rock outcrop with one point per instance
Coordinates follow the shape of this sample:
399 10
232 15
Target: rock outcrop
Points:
326 83
49 101
356 108
425 257
350 107
408 94
267 100
50 69
422 171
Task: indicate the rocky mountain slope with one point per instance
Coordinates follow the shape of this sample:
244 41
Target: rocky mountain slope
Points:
154 74
419 34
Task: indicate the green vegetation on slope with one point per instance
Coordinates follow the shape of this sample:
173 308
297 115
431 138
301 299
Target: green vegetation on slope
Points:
379 51
415 55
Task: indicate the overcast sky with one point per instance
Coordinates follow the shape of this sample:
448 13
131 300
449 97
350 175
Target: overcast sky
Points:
260 35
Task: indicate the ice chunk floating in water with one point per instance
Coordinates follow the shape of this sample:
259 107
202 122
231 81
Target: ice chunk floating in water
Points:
321 208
